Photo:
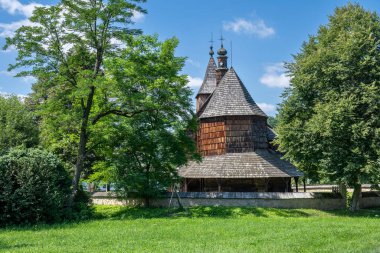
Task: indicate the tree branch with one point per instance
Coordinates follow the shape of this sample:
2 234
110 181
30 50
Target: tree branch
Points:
119 113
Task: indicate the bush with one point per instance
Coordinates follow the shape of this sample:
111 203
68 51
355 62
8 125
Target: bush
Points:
34 187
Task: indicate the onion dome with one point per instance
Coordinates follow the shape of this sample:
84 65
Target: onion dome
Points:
222 51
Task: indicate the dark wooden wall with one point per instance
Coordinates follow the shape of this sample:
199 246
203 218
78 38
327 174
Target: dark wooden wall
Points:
238 185
245 134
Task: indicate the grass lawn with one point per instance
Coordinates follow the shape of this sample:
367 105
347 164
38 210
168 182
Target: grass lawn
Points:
203 229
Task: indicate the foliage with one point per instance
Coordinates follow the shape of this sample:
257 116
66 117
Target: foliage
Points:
77 95
329 123
34 187
18 125
123 229
272 121
152 144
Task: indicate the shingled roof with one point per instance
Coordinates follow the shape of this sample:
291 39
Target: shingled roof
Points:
209 81
231 98
259 164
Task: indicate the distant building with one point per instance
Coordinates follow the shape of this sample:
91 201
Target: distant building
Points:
234 139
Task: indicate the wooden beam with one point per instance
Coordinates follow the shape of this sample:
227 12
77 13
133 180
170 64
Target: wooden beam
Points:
296 180
219 181
304 184
185 185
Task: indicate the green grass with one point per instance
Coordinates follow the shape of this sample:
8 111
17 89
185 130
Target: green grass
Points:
203 229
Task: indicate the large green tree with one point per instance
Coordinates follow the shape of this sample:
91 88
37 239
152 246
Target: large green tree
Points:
77 94
18 125
148 148
329 121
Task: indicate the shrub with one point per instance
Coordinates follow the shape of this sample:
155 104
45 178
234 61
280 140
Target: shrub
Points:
34 187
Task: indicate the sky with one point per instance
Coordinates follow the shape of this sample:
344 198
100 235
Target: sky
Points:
264 35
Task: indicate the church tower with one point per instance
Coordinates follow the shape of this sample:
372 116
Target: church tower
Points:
209 82
222 62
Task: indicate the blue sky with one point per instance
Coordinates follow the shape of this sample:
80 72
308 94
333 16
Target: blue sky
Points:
264 35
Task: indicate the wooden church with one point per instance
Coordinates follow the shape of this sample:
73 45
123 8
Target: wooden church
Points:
234 139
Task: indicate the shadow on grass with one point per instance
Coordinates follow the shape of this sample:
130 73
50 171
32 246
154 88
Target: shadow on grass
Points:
362 213
195 212
133 213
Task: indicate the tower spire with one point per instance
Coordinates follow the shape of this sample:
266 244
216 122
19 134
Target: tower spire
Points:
222 61
231 52
211 46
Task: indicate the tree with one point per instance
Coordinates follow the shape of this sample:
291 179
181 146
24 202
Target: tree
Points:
144 151
65 50
272 121
329 121
18 125
93 74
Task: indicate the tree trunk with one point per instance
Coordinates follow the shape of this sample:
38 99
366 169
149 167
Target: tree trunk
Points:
81 156
343 192
147 174
147 202
356 197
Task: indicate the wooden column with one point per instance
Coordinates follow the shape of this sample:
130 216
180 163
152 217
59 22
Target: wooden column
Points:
202 185
185 185
296 180
219 181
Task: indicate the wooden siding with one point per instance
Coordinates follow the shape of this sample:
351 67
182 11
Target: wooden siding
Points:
211 138
245 134
233 134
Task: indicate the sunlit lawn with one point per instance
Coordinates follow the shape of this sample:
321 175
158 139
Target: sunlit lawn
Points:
206 229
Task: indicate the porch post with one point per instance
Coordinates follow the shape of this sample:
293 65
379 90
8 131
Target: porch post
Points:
219 180
304 184
185 185
296 180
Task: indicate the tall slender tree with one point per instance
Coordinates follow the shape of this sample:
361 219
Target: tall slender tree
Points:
329 121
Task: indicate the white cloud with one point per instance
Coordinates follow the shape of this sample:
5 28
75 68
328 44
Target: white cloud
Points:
8 50
8 30
15 7
267 108
26 79
194 82
21 97
29 79
275 76
193 63
256 27
137 16
7 73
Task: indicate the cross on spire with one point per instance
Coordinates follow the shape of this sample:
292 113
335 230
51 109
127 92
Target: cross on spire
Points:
221 39
211 41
